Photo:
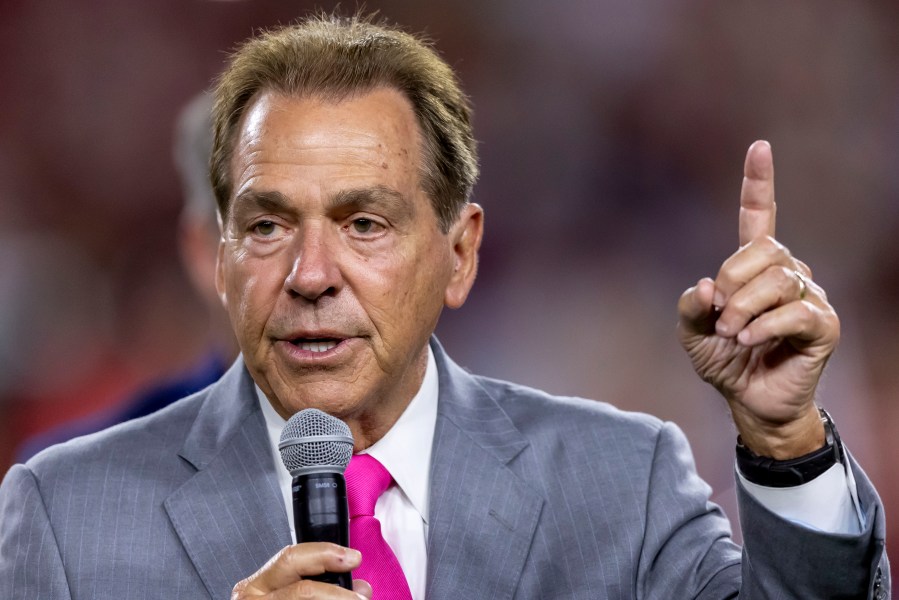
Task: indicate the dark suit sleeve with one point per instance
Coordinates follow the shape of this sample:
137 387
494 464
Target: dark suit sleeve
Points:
30 564
782 559
687 551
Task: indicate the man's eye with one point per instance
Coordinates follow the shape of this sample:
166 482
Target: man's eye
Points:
264 228
363 225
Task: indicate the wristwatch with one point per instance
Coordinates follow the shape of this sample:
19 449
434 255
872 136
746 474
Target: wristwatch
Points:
763 470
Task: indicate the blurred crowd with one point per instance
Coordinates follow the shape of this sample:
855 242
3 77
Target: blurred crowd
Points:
612 140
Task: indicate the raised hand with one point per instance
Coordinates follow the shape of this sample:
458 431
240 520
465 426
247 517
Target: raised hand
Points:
761 331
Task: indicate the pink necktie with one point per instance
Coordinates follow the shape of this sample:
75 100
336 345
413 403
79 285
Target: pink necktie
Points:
366 479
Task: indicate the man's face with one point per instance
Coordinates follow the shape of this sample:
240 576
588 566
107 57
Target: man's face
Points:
332 265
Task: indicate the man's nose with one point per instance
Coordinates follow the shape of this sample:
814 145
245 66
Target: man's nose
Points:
315 271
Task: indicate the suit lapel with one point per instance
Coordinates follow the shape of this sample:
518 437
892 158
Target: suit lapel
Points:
482 518
229 516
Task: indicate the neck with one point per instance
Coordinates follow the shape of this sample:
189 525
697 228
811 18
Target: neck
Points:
372 424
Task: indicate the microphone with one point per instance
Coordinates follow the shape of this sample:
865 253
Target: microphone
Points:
316 448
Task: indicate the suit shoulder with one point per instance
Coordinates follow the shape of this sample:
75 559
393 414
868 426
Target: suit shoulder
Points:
122 442
534 411
572 443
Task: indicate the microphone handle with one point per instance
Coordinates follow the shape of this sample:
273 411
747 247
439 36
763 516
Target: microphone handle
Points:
321 514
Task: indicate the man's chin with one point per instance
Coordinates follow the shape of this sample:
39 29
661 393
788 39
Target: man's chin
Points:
333 397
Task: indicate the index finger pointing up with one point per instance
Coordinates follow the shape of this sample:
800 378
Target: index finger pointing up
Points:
757 207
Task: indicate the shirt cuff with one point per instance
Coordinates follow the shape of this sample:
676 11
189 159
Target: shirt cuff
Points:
828 503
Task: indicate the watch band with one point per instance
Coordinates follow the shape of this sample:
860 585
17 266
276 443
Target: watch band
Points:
763 470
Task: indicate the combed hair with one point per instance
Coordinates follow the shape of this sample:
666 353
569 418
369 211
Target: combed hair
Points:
334 57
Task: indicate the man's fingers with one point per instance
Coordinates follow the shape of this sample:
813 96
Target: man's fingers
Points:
361 587
757 207
803 268
799 321
695 311
750 261
776 286
306 588
294 563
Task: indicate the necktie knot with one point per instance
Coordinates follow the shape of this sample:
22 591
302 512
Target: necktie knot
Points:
366 480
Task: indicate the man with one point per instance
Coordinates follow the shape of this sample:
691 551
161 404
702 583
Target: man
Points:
343 164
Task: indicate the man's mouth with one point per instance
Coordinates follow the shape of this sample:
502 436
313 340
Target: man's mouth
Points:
315 345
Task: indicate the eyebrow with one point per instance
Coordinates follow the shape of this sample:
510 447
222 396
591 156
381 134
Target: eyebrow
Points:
270 201
382 196
365 197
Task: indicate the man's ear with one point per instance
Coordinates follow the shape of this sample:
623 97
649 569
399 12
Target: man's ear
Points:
466 234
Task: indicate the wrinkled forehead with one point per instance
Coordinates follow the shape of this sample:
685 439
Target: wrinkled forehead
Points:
290 143
380 120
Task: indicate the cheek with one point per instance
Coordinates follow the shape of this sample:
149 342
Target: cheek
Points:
417 288
249 297
382 288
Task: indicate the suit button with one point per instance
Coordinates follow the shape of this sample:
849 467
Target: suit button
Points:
879 592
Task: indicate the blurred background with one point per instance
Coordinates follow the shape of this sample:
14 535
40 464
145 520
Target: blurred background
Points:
612 139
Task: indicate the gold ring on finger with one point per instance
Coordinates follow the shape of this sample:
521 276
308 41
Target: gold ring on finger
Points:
803 284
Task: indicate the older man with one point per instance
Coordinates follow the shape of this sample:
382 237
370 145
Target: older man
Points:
343 165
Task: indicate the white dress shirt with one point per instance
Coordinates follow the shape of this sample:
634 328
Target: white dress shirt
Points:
405 451
828 503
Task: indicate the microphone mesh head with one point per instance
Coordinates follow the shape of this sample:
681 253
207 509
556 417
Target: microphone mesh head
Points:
315 442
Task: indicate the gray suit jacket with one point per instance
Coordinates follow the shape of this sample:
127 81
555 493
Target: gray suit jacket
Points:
531 497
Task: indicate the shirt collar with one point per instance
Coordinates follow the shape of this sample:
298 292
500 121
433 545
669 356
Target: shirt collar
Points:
405 450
